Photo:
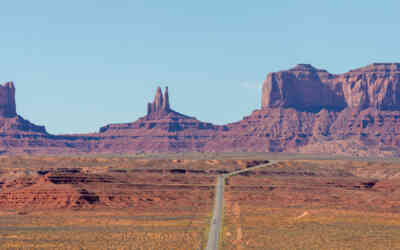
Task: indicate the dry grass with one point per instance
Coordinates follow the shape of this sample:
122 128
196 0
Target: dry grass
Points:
284 228
144 209
102 230
298 204
314 205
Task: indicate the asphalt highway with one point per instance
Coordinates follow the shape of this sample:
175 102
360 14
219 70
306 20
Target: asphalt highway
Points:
216 222
213 235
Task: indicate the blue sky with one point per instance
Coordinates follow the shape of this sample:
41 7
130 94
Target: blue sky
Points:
79 65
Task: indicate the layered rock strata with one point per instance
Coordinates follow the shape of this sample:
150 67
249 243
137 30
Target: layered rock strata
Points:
306 88
304 109
161 130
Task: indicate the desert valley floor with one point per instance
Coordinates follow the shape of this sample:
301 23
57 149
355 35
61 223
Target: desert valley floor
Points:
166 201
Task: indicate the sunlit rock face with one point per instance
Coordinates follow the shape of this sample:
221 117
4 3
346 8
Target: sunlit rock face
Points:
306 88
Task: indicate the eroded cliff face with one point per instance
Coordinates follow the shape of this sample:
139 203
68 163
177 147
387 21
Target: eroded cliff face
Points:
374 86
306 88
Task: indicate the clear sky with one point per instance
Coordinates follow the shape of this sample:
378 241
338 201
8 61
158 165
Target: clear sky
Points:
79 65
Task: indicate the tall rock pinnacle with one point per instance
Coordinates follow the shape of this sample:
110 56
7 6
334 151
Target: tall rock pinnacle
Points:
165 105
158 100
7 100
160 105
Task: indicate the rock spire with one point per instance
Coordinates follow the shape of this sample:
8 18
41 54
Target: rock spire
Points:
160 104
7 100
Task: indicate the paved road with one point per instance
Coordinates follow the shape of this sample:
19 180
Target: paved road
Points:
213 235
252 168
215 227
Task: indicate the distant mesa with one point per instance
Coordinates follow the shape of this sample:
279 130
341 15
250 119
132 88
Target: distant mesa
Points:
304 109
306 88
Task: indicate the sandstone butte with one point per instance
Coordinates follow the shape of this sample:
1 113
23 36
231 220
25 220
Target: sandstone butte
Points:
303 109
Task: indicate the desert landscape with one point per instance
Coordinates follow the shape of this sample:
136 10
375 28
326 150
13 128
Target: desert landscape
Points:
314 205
113 203
199 125
305 171
166 201
303 110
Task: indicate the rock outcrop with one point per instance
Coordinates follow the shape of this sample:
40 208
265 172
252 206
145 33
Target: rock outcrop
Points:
306 88
160 105
7 100
304 109
374 86
10 122
161 130
17 135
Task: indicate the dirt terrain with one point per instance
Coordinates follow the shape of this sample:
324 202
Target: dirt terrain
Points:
108 202
90 182
314 205
161 201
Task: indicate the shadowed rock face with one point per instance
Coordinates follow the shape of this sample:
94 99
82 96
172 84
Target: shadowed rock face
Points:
306 88
7 100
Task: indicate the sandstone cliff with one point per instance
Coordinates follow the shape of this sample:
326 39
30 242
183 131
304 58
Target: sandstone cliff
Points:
306 88
376 86
304 109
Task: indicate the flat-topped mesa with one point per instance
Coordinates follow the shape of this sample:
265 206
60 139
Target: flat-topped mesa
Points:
301 88
160 105
7 100
307 88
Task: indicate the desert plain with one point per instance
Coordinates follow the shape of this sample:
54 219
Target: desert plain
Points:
166 201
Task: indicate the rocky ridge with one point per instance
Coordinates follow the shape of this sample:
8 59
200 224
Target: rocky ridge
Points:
304 109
